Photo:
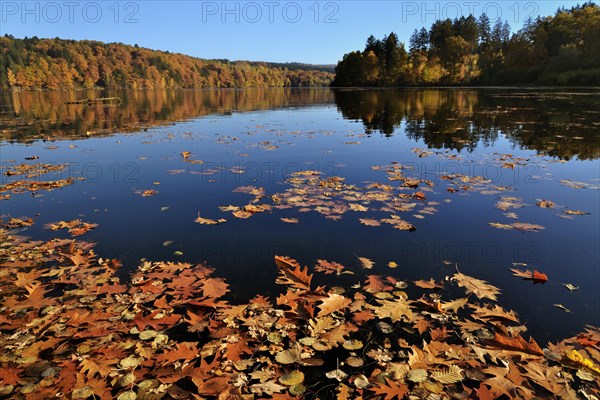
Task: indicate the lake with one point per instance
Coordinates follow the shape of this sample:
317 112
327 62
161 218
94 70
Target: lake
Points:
412 176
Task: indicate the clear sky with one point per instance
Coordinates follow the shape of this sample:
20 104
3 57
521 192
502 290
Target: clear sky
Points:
318 32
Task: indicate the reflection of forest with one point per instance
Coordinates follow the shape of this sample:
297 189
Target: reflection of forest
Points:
26 116
562 124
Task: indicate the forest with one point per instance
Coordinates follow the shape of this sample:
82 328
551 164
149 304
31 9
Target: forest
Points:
563 49
55 64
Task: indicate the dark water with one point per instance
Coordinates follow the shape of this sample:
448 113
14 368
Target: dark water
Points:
259 137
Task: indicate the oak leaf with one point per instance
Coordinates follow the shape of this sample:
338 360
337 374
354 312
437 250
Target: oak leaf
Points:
478 287
333 303
390 390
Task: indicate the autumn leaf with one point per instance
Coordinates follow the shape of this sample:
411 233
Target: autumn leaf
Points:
183 351
214 287
545 376
430 284
328 267
207 221
395 310
545 204
527 227
390 390
535 276
369 222
99 366
292 274
366 263
516 343
478 287
575 212
332 304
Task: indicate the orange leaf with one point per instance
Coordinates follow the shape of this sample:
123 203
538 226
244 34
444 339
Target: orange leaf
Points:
214 287
535 276
483 393
292 274
184 351
390 390
333 303
517 343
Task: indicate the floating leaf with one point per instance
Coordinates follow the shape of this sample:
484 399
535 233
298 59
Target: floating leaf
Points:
570 286
565 309
366 263
292 378
361 381
336 374
478 287
535 276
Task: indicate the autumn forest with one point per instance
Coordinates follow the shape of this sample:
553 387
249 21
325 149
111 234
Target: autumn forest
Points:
559 50
55 64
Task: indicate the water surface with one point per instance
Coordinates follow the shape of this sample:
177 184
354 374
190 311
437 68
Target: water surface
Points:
261 137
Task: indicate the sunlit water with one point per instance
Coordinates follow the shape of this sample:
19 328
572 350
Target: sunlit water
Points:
260 137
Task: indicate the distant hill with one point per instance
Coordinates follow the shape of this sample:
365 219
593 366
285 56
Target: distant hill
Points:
56 64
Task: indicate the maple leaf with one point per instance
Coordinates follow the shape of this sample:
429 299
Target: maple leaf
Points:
478 287
390 390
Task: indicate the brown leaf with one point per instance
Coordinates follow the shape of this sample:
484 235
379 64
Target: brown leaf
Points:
390 390
535 276
333 303
517 343
476 286
214 287
292 274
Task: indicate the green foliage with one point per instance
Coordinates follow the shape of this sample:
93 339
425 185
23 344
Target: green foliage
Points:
560 50
33 63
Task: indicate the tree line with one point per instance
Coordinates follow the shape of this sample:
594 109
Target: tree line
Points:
53 64
563 49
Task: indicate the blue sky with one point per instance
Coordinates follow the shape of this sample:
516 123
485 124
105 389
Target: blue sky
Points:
318 32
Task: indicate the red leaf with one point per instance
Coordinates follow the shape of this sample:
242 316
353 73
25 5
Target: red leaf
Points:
528 275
